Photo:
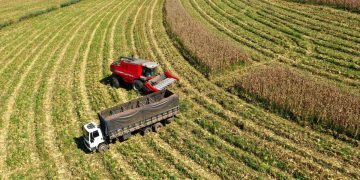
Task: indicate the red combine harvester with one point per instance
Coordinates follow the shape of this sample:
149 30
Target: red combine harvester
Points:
141 74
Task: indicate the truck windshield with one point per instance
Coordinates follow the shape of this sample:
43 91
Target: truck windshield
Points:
147 72
85 134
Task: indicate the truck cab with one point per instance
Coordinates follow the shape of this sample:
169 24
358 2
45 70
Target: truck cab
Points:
93 137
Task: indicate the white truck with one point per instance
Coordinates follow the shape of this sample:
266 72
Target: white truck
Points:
145 114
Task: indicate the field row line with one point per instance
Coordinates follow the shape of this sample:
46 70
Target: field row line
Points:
11 101
12 37
344 77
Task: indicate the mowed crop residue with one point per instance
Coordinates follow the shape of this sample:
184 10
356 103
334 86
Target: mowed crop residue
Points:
65 54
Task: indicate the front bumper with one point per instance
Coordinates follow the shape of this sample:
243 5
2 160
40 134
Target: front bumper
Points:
88 146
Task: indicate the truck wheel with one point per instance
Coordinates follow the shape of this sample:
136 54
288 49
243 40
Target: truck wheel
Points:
145 130
115 82
103 147
138 85
157 126
169 120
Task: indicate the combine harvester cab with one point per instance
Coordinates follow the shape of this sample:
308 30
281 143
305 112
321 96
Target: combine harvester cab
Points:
141 74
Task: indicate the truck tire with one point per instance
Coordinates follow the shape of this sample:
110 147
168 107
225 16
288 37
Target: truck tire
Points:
115 82
145 130
169 120
138 85
157 126
102 147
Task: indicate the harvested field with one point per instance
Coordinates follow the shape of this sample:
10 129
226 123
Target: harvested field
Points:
12 11
50 71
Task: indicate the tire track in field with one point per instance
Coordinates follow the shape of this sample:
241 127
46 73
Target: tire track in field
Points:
11 101
49 137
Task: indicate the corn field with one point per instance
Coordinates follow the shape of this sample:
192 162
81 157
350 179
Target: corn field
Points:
348 4
305 97
51 66
209 49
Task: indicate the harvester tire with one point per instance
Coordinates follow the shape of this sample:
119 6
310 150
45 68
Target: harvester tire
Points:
138 85
157 126
102 147
115 82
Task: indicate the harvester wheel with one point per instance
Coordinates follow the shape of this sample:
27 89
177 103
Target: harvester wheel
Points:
145 130
115 82
157 126
138 85
103 147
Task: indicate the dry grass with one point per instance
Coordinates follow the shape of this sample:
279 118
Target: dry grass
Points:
206 48
353 5
302 96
